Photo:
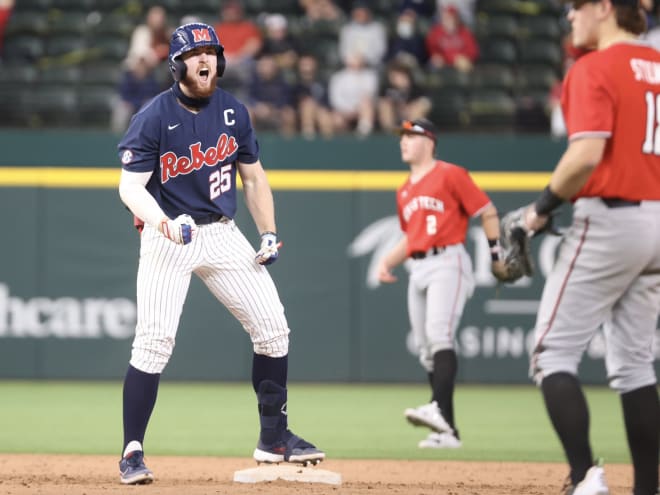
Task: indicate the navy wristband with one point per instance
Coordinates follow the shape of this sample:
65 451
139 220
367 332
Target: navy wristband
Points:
547 202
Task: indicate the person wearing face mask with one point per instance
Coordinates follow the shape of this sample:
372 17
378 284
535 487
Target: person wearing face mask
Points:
408 44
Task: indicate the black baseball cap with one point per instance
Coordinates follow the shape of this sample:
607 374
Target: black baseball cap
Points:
422 127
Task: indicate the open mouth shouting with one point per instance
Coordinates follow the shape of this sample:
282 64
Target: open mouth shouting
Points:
204 74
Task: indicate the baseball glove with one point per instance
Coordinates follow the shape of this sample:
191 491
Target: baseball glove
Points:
516 256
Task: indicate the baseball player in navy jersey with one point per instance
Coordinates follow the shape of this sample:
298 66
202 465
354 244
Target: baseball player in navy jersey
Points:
180 157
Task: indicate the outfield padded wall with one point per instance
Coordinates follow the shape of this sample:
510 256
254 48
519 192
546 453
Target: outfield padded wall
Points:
69 257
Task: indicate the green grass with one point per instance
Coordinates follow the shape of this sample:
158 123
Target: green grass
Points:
499 423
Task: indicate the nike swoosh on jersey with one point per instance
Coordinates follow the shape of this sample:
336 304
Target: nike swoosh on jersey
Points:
170 127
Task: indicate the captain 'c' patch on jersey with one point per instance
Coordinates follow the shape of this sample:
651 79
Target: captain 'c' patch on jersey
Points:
172 165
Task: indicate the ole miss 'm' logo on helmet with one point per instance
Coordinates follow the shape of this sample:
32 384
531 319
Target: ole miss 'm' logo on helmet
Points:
172 165
200 35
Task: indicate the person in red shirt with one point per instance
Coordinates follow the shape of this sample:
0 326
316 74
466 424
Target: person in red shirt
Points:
451 43
607 272
242 40
6 8
435 205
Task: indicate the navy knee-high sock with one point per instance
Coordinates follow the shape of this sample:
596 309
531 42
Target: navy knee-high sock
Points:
569 413
140 391
269 368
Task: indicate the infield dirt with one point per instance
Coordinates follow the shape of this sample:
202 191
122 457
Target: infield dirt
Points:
22 474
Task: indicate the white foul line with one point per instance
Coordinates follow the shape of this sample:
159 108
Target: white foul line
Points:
511 306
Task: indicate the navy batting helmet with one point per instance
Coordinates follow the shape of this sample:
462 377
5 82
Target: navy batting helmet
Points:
188 37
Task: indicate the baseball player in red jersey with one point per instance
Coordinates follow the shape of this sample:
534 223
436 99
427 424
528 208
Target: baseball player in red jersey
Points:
607 273
181 155
435 205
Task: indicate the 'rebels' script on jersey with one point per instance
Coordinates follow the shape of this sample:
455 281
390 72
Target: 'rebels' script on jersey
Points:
172 165
192 156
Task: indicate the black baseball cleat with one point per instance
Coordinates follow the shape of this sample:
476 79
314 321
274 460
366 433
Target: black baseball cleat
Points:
290 448
132 470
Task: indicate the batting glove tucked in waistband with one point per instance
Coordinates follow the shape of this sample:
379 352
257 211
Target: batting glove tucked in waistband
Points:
181 230
268 253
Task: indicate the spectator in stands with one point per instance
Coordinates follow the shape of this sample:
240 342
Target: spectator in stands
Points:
279 43
6 8
423 8
451 43
653 33
137 85
352 91
407 44
363 35
466 9
242 41
400 98
151 40
269 99
320 11
311 96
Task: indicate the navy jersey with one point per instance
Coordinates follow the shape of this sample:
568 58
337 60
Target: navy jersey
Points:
192 156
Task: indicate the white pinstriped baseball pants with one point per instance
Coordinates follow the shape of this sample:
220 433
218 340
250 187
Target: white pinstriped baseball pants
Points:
224 260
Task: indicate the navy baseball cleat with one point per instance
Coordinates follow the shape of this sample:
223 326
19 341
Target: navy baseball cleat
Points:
133 471
290 448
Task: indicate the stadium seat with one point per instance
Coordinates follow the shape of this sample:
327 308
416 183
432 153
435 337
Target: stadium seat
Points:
57 46
494 7
200 7
497 26
541 26
95 105
115 25
69 75
100 73
68 23
53 106
24 47
168 5
284 7
448 108
109 6
497 51
447 77
17 76
13 101
542 7
108 48
32 5
535 77
27 22
255 7
66 6
540 51
493 76
492 109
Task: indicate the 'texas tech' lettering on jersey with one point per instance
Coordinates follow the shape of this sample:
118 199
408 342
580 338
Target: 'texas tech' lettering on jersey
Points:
424 202
172 165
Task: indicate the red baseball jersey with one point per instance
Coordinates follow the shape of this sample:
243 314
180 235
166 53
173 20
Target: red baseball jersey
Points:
615 94
435 211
